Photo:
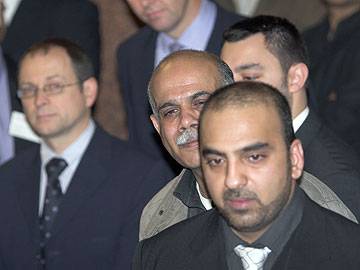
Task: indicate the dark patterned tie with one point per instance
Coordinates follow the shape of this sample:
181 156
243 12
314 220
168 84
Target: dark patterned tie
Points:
52 201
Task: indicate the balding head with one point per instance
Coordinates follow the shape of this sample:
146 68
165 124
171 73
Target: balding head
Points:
186 63
178 89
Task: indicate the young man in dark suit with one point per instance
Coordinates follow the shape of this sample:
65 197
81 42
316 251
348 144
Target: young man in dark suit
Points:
271 50
74 201
171 25
251 162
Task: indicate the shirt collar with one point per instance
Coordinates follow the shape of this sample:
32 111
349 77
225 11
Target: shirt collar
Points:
186 191
299 120
73 151
203 24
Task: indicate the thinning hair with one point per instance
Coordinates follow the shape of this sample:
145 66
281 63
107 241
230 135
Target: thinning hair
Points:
282 39
251 93
80 61
225 75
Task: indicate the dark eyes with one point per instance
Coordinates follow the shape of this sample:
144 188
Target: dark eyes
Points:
250 78
255 158
215 162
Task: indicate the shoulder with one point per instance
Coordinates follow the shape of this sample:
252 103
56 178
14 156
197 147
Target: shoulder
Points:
325 147
138 40
164 192
162 211
182 232
227 18
335 225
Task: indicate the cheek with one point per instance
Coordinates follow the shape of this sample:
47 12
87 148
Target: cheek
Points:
215 184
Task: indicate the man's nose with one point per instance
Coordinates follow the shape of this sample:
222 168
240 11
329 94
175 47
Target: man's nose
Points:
236 176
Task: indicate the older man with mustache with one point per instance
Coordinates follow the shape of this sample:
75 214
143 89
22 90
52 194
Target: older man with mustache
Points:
177 91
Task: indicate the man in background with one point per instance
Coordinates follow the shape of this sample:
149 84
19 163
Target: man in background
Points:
171 25
334 54
270 49
74 201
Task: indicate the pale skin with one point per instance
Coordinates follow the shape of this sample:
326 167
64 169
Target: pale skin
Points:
61 118
240 153
249 59
172 17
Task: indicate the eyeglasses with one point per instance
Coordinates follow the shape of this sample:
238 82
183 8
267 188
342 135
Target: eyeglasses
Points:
29 91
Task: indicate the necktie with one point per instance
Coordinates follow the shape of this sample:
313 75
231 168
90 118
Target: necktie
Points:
252 258
175 46
52 201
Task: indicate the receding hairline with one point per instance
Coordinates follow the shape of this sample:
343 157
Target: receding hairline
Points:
181 58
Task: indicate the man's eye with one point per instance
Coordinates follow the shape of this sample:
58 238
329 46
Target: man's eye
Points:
53 87
250 78
200 102
169 113
215 162
256 158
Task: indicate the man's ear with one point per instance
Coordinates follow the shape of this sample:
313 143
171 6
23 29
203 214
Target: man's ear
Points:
297 159
155 122
90 90
297 76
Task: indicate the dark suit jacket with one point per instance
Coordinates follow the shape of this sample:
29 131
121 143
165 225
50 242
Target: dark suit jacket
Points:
136 62
36 20
331 160
322 240
97 224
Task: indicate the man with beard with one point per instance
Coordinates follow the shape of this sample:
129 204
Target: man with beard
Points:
251 161
270 49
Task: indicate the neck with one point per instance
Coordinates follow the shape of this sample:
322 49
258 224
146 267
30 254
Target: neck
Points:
190 12
199 178
59 142
298 103
338 13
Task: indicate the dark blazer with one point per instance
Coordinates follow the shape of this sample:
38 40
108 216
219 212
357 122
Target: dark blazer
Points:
135 64
36 20
331 160
322 240
97 223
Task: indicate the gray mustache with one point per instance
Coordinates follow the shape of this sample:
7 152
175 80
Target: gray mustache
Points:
187 136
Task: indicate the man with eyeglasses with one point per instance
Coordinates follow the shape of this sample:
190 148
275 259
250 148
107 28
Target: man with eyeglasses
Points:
74 201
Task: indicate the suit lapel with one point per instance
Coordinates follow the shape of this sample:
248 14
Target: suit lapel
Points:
27 182
90 174
308 130
309 245
208 247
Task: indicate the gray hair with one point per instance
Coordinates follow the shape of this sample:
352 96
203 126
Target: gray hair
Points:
225 74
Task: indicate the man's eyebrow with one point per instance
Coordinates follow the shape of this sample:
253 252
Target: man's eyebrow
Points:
199 94
166 104
209 151
192 97
254 147
240 68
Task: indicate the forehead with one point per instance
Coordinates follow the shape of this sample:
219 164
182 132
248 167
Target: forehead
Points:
235 126
55 61
250 49
178 79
